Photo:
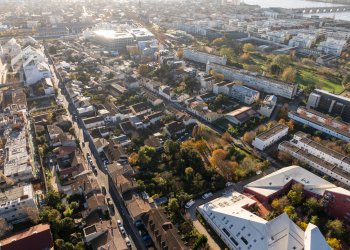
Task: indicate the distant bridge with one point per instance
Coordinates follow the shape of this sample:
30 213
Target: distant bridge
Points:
316 10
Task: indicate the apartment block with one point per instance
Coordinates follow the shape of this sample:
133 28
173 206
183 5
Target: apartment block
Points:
324 123
14 202
255 81
327 102
269 137
202 57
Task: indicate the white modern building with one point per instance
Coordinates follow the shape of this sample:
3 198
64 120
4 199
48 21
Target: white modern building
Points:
15 202
324 123
302 40
255 81
244 94
322 159
332 46
202 57
277 36
269 137
230 218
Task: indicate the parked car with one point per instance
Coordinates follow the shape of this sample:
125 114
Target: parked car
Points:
229 184
128 242
122 230
103 189
189 204
207 195
119 223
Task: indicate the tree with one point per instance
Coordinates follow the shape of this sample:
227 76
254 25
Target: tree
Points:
173 205
198 183
346 80
31 213
334 243
146 157
180 53
52 198
171 147
312 205
275 69
290 211
218 156
283 61
218 77
288 74
218 41
295 195
335 228
314 219
143 69
5 227
245 57
248 137
248 47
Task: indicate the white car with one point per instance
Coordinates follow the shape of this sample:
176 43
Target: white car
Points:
122 230
229 184
127 241
189 204
207 195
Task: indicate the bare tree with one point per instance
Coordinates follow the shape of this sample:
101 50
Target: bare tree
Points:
31 213
5 227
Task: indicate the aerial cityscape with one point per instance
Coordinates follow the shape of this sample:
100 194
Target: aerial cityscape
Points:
175 124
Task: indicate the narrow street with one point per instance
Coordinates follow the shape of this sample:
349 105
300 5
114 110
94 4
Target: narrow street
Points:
102 178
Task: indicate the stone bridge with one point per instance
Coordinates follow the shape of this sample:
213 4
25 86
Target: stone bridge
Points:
316 10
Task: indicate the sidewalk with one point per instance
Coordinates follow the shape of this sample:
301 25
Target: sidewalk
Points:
201 229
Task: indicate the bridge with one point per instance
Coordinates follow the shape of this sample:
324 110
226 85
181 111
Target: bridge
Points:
316 10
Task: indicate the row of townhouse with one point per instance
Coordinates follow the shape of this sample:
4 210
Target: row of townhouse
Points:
322 159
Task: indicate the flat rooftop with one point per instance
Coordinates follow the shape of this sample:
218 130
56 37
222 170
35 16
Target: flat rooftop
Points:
271 132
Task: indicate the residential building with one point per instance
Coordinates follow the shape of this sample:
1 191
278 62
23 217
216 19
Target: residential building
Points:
324 123
332 46
94 122
141 108
269 137
163 233
202 57
255 81
202 110
222 87
52 32
335 200
319 157
17 164
244 94
166 92
38 237
14 203
277 36
174 128
268 105
303 40
326 102
141 34
207 81
241 115
230 218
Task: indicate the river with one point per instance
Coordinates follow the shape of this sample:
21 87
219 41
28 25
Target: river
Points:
290 4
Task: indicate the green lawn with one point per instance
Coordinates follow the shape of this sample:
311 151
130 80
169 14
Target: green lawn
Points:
305 78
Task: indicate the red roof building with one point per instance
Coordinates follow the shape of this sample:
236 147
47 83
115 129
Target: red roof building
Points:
35 238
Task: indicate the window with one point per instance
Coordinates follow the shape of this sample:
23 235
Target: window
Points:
226 232
234 241
244 240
